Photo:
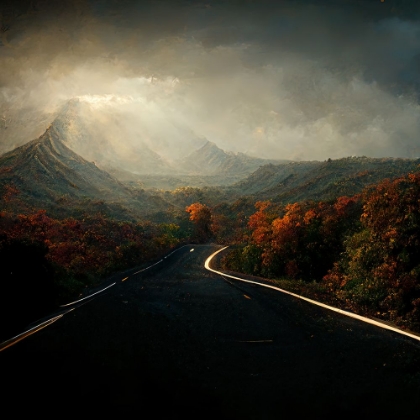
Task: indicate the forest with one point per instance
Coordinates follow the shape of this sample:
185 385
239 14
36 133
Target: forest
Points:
359 253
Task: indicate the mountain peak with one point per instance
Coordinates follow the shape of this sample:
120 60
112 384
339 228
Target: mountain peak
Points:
71 107
99 136
210 159
208 145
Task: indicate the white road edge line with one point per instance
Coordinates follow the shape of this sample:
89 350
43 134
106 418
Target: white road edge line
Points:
42 325
87 297
107 287
314 302
21 336
150 266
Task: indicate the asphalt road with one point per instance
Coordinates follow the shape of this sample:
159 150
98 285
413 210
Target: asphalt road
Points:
177 341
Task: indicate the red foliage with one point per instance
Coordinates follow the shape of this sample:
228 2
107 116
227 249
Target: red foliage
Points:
9 192
90 247
306 239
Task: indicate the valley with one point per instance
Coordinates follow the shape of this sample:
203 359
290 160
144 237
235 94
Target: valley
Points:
113 210
210 208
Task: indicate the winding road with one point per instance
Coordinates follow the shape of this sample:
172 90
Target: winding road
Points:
175 340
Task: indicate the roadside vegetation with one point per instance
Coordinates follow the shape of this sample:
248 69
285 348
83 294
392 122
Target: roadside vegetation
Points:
86 250
46 261
360 253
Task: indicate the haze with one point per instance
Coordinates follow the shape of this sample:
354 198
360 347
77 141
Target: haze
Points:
300 80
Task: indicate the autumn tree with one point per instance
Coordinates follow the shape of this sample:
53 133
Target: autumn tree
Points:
299 240
380 268
201 216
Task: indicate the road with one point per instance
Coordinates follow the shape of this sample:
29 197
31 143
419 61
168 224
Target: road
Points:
183 342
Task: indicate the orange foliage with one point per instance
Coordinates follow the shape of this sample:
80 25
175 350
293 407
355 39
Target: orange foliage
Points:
197 211
260 223
200 214
306 239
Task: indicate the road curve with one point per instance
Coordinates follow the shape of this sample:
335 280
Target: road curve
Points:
314 302
181 341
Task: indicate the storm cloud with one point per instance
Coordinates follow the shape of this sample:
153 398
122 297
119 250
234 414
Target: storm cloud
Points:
299 80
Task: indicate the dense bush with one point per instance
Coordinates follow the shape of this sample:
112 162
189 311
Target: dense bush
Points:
380 268
301 240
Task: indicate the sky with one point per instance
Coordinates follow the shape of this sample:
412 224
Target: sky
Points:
298 80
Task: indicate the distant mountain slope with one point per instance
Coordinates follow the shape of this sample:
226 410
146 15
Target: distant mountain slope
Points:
271 176
297 181
211 160
117 144
47 174
171 182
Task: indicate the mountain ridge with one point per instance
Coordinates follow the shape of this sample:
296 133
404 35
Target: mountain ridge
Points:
321 180
81 130
210 159
48 174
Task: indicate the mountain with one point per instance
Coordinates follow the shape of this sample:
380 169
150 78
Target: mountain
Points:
207 166
45 173
211 160
296 181
101 137
118 141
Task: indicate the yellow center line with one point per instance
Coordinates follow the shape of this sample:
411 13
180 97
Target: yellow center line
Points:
247 297
124 279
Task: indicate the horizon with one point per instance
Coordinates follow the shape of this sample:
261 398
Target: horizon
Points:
105 100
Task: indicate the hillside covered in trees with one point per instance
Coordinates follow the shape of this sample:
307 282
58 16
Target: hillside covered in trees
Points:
357 251
360 253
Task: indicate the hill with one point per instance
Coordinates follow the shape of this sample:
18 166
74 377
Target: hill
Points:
315 180
296 181
45 173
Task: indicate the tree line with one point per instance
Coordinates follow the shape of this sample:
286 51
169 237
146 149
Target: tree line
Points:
47 261
362 251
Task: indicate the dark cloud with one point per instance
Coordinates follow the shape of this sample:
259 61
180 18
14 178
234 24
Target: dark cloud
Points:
294 79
